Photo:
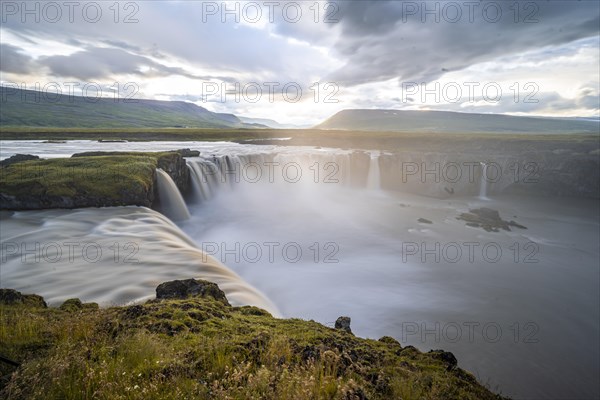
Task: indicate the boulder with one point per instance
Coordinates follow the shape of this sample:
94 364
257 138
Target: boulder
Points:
183 289
424 221
13 297
72 305
446 357
343 323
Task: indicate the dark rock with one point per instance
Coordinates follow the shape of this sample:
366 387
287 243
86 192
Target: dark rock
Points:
424 221
135 311
34 300
72 305
182 289
174 165
515 224
10 297
343 323
187 152
487 219
445 356
310 353
17 158
13 297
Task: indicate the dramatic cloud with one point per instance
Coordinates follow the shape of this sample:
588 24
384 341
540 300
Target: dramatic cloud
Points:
13 60
368 49
419 41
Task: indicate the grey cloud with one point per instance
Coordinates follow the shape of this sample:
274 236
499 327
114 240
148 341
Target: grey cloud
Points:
13 60
380 43
98 62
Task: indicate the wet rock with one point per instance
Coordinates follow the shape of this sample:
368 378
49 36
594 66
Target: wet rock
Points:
183 289
487 219
424 221
187 152
343 323
17 158
13 297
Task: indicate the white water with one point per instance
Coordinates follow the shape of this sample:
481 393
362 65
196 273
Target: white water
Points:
374 177
107 255
483 182
371 282
171 201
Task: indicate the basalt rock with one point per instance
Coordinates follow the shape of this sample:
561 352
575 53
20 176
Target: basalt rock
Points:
13 297
487 219
182 289
343 323
187 152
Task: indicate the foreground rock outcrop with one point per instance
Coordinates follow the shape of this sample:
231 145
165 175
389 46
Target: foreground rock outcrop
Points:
200 347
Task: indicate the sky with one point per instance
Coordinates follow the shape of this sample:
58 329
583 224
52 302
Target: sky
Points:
301 62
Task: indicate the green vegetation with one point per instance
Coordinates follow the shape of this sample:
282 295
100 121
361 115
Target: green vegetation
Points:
96 180
202 348
99 176
33 108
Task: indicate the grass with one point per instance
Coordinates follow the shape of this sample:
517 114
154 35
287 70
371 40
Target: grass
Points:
204 349
114 179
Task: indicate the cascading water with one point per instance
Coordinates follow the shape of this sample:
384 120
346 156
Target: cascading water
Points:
374 177
171 201
355 259
483 182
112 255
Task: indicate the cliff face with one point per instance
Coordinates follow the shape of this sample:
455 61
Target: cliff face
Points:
95 179
535 173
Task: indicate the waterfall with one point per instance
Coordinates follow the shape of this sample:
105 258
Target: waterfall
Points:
171 201
483 182
116 255
374 177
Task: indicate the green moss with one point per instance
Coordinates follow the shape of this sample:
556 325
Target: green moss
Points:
108 179
203 349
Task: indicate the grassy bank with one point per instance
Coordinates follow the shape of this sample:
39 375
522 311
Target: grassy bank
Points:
88 181
203 348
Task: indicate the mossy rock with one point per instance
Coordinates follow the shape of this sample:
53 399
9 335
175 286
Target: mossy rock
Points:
183 289
72 305
13 297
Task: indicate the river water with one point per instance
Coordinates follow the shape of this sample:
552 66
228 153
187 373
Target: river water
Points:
519 309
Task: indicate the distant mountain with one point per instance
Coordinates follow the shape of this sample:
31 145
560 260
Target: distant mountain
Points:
454 122
271 123
31 108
